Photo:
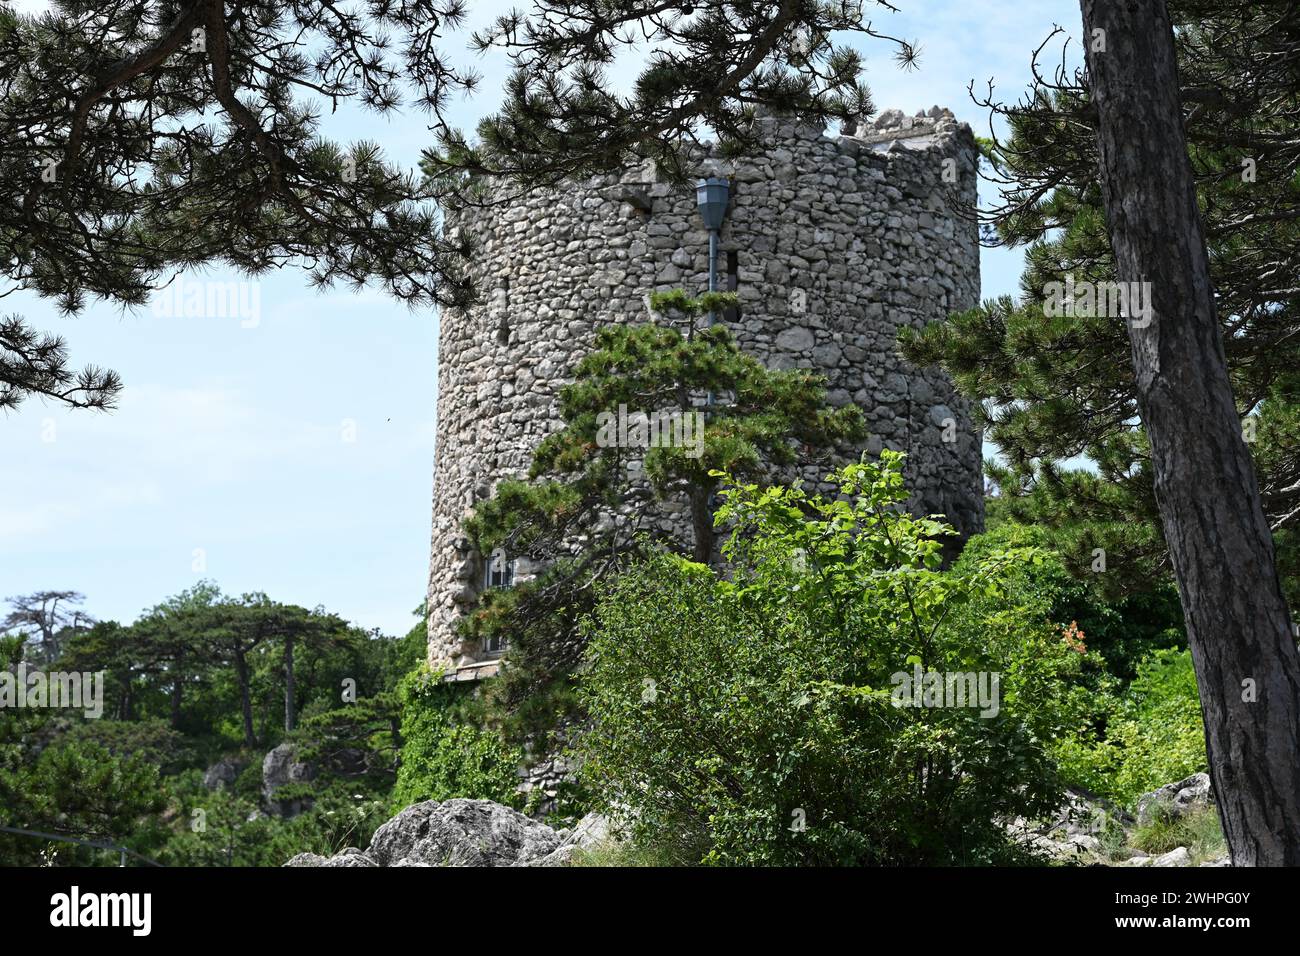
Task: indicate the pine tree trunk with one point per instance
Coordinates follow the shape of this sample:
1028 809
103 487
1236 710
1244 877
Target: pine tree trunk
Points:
702 525
245 697
176 703
1238 625
290 717
178 685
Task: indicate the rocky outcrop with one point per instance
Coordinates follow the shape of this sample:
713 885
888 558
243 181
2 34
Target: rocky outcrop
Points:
1175 800
223 774
348 857
1077 832
1178 856
592 830
280 767
1072 834
461 833
466 833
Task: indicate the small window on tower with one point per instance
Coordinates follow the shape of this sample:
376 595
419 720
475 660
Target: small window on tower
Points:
499 571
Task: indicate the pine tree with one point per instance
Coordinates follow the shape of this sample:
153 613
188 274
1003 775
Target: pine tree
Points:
1220 544
1054 385
1176 180
589 505
143 137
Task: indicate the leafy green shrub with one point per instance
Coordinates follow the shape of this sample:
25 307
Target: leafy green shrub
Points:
753 721
1154 734
1122 630
1119 634
445 753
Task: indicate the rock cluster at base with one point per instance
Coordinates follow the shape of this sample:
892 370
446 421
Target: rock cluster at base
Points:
1071 834
1074 834
466 833
1175 800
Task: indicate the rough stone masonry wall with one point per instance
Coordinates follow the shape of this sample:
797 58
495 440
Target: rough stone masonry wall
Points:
838 241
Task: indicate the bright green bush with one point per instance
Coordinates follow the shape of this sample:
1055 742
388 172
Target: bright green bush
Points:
753 721
1122 630
1153 734
445 753
1140 722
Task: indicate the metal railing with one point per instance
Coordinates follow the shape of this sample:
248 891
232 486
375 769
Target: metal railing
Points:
122 851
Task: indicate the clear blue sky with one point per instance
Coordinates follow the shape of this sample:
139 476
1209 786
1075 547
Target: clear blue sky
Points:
230 439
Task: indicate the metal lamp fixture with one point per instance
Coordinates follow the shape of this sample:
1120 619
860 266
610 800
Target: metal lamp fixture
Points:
711 197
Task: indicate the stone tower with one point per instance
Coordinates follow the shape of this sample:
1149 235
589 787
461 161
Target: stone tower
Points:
832 244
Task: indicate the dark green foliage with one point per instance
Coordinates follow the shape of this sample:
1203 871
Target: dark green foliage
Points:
752 721
711 67
36 363
135 776
1122 631
223 829
201 660
142 139
360 739
1054 388
118 103
71 785
152 741
535 694
757 417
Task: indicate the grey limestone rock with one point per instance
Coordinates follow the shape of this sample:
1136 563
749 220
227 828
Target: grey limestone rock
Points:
1175 800
465 833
